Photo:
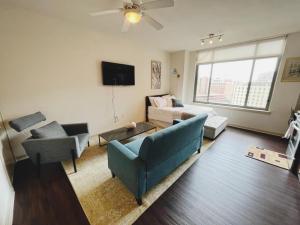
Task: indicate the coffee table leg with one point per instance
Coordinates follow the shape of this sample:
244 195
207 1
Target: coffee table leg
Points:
101 145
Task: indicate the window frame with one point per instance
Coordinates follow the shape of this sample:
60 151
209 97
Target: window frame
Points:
249 83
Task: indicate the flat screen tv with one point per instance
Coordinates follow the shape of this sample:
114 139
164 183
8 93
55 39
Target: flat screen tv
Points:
117 74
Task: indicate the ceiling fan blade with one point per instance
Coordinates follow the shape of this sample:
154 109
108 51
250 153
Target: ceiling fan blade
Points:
152 22
106 12
126 25
157 4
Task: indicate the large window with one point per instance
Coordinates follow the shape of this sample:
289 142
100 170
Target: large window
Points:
240 76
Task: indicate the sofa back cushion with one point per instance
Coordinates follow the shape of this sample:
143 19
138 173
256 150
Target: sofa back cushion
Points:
51 130
167 142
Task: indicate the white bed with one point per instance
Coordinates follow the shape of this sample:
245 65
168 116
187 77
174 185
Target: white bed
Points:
168 114
163 116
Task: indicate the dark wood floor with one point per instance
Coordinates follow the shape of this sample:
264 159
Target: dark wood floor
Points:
48 200
222 188
226 188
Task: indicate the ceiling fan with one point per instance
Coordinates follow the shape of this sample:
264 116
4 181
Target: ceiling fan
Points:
134 11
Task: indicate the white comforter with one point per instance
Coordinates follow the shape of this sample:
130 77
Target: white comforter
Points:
168 114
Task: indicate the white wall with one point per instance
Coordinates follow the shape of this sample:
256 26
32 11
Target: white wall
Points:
53 66
284 96
6 189
179 85
176 83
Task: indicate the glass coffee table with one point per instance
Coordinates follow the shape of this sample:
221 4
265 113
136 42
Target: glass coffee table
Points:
124 133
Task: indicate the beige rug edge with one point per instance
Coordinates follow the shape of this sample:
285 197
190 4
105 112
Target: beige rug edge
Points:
123 210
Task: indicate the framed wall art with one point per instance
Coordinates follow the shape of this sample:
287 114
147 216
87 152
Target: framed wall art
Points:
291 72
155 74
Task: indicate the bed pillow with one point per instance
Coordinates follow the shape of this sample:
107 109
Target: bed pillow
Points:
151 99
169 100
177 103
153 103
160 102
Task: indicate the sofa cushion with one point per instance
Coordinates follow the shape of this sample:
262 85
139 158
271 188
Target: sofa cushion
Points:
51 130
83 140
135 146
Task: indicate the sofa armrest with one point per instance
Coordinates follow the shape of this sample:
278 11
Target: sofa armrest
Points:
128 167
177 121
76 128
51 149
116 149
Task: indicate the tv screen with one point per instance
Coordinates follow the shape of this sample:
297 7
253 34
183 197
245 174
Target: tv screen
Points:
117 74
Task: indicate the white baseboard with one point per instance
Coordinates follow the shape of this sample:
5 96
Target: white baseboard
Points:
256 130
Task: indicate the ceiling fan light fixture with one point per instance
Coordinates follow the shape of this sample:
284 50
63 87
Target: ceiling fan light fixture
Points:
134 11
133 16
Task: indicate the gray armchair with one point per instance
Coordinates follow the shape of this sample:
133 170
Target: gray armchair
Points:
54 143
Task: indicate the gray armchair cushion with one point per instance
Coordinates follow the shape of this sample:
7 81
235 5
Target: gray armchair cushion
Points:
52 149
51 130
24 122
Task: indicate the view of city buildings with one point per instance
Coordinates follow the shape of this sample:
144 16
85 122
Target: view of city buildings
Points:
233 92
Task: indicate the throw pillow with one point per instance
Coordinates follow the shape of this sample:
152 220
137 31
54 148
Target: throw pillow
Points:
177 103
51 130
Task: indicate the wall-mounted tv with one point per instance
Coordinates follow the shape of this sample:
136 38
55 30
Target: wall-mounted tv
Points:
117 74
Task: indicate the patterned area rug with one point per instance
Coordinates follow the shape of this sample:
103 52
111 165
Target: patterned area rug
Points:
105 200
268 156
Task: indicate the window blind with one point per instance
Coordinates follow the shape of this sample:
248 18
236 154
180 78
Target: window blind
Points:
264 48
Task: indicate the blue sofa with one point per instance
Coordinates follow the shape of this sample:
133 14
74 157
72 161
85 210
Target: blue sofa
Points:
143 163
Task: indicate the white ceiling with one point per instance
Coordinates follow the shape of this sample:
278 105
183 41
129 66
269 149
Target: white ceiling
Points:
186 23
